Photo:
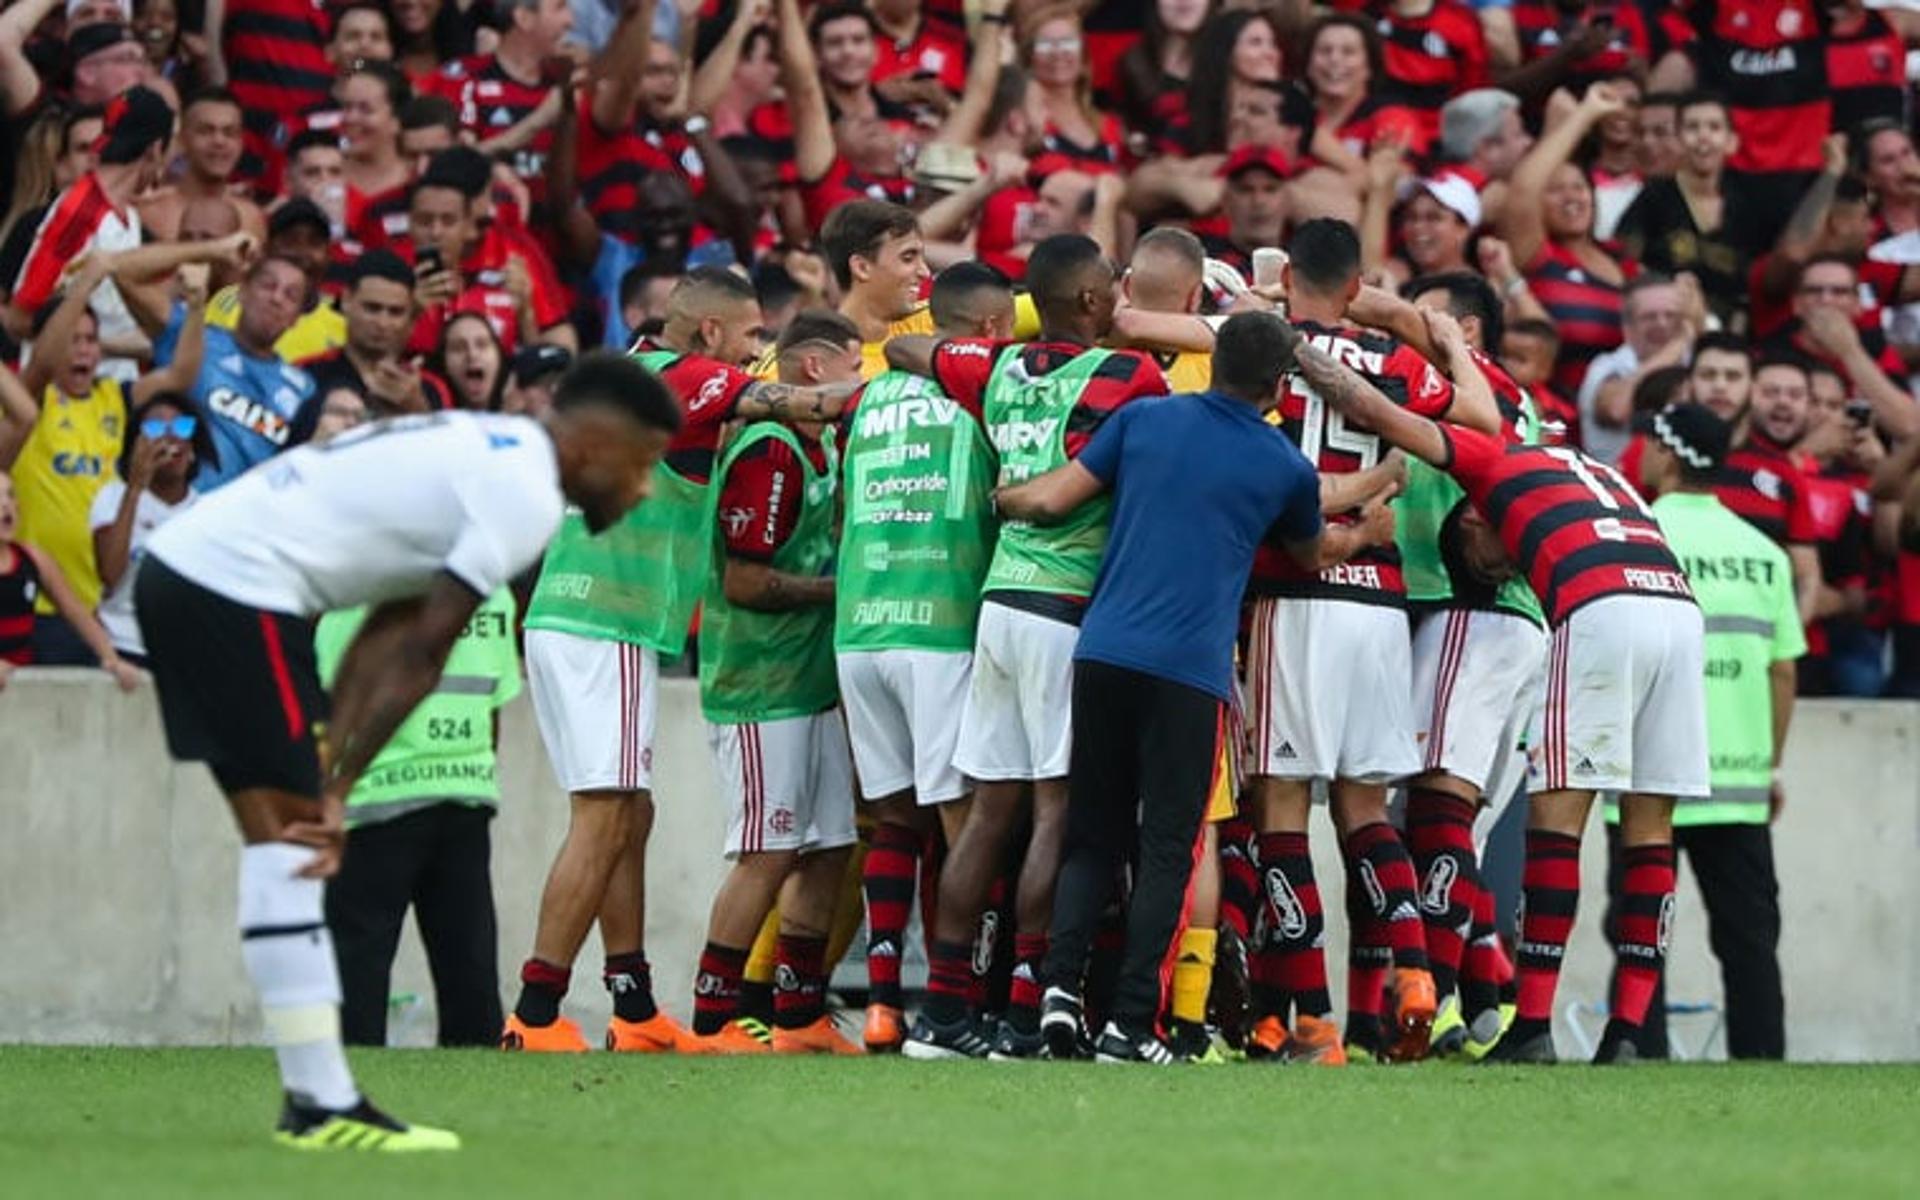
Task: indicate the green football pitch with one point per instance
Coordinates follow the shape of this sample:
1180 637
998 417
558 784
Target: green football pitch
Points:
149 1123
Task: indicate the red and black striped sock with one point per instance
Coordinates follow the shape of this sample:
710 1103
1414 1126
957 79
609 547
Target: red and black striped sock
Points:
1377 862
716 987
799 980
1551 888
1642 930
1368 961
949 981
887 878
1239 878
1296 927
1485 969
1023 997
542 986
630 981
1440 838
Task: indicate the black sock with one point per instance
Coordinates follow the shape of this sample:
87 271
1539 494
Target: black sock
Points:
1526 1027
542 986
630 980
756 1000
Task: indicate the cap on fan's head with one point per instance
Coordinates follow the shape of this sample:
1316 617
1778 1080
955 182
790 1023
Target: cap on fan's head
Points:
1257 158
538 361
1455 193
297 212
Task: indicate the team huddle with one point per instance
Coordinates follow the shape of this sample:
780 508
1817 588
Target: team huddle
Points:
1089 627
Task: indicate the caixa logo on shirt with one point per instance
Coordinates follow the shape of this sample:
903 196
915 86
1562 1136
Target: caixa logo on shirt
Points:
250 414
76 466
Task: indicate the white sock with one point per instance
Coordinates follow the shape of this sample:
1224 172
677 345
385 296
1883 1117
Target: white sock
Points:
289 955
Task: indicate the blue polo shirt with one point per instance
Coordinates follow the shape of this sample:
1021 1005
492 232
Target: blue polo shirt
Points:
249 404
1198 482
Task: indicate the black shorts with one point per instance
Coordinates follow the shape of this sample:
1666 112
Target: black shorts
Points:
239 688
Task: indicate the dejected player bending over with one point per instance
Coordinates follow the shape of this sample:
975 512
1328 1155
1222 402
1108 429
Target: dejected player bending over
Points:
421 517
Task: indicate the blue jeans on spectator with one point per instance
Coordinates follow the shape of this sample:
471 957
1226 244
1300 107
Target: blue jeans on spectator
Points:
1855 662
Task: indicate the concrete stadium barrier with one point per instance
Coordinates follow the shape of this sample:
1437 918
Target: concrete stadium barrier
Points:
117 874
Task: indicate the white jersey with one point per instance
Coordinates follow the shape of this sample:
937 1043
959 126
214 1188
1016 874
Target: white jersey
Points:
374 515
149 513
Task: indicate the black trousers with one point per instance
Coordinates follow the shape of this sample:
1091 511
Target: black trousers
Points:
1145 751
438 861
1733 865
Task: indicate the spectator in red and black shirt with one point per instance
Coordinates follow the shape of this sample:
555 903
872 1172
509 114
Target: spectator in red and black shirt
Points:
1435 49
845 147
1768 59
509 100
1242 53
479 270
1053 48
1254 203
1866 62
910 47
1839 451
377 174
1345 68
1155 70
1761 481
1547 222
273 55
1826 328
427 35
1891 169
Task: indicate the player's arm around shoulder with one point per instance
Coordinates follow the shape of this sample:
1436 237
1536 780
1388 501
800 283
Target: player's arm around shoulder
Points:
1050 498
1360 403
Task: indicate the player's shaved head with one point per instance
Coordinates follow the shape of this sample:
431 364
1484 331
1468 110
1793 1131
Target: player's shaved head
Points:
1168 267
713 312
705 291
1324 257
971 298
1072 285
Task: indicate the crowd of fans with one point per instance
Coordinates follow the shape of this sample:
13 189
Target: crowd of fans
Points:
233 225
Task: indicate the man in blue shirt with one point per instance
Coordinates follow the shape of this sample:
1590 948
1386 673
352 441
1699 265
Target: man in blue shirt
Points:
1199 482
249 394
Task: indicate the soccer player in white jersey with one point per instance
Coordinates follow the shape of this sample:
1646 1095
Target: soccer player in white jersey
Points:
421 517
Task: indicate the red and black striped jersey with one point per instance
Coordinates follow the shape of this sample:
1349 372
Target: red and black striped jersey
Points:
842 184
1767 58
1572 524
1334 448
1585 308
1106 155
276 52
612 165
934 49
1761 484
1432 58
490 102
19 589
1866 71
1545 26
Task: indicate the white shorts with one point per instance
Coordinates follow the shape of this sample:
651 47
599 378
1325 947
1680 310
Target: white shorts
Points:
596 701
903 717
1472 678
1018 721
788 783
1327 691
1625 705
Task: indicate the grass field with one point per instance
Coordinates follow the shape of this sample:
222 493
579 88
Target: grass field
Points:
149 1123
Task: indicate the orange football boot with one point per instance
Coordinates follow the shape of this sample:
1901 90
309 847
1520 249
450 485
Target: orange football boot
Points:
821 1037
1413 989
742 1035
658 1034
1268 1038
1316 1040
886 1029
561 1037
